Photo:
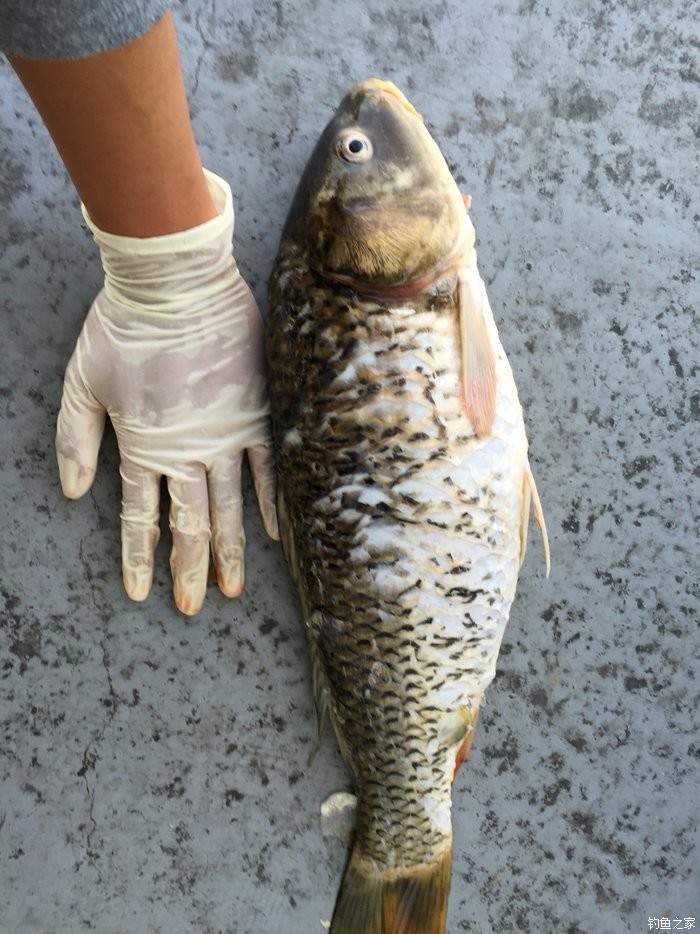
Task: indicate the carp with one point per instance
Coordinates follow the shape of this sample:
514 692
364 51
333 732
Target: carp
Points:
404 488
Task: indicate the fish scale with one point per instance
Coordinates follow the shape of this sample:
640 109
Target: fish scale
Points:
401 519
334 518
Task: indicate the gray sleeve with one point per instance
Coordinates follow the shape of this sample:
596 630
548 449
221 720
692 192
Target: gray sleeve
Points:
73 28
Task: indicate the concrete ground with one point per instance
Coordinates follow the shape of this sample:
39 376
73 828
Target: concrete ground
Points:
158 774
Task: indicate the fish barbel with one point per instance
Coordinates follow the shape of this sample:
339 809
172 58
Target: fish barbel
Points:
404 488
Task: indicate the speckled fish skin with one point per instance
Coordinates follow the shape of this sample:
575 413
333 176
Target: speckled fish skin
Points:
402 523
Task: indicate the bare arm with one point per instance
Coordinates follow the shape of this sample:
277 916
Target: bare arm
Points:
120 122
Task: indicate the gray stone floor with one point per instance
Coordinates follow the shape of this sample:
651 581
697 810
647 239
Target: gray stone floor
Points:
157 773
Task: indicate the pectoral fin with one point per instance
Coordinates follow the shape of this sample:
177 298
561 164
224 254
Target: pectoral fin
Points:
530 495
478 357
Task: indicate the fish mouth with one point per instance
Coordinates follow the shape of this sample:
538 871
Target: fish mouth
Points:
380 87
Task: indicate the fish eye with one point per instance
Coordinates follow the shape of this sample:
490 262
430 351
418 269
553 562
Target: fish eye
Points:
354 146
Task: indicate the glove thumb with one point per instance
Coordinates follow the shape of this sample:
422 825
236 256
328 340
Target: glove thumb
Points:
81 422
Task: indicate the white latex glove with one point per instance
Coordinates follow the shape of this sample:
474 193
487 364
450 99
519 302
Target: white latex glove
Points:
172 351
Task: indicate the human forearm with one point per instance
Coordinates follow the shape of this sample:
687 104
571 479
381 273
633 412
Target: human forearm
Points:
120 122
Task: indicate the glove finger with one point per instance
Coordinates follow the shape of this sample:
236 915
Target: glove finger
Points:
262 467
79 430
228 535
140 527
189 524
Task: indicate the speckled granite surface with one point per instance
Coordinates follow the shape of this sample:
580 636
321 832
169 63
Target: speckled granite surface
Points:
155 772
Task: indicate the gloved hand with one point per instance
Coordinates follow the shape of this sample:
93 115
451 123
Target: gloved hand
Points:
172 351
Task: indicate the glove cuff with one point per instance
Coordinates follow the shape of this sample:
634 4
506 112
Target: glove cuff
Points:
179 272
182 241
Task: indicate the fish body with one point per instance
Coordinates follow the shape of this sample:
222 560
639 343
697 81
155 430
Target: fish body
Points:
403 486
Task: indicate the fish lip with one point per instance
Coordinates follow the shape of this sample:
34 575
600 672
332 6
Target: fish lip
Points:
380 87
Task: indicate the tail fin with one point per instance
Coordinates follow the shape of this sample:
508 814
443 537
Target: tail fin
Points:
397 901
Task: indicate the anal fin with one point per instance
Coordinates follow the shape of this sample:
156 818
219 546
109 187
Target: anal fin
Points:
466 744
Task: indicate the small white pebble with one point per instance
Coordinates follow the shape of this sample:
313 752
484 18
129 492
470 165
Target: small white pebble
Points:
338 815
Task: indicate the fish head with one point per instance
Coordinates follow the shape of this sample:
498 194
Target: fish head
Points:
377 206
